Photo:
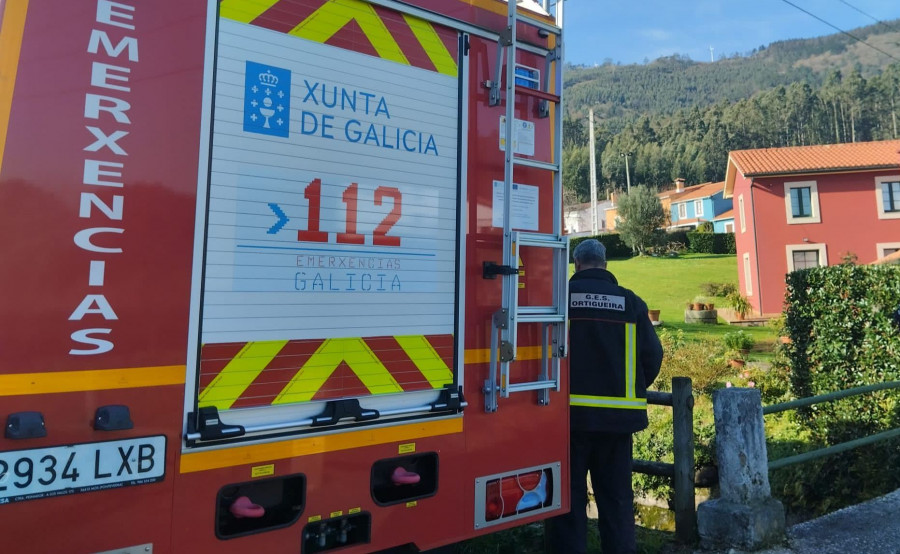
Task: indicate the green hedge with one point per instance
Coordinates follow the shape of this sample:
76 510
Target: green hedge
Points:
677 236
615 248
842 336
730 244
711 243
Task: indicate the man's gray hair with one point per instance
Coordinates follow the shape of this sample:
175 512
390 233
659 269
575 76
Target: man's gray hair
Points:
590 252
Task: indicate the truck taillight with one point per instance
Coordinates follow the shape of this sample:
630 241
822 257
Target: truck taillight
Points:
515 494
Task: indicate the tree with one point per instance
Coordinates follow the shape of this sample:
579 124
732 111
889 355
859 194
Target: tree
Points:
640 214
577 172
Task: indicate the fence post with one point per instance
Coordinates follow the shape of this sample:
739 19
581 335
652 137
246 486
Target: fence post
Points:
745 516
683 450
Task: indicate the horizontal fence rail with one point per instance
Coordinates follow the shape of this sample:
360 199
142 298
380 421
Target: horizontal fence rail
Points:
840 447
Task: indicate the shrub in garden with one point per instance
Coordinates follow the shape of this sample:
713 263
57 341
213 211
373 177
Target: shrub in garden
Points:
728 243
839 322
702 361
722 290
679 236
711 243
739 303
738 341
615 248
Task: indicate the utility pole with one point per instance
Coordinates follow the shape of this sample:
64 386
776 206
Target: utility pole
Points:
627 173
594 224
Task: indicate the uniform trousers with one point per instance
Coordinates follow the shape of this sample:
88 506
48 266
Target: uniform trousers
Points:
608 458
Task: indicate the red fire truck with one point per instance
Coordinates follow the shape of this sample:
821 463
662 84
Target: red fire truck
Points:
280 275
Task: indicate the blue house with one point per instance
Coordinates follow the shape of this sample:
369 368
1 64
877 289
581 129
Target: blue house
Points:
699 204
724 222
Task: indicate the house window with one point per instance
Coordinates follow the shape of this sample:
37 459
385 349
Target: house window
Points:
887 192
883 249
729 227
804 256
748 283
805 259
890 193
741 214
698 208
682 211
801 202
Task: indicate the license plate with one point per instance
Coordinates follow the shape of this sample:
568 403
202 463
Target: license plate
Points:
88 467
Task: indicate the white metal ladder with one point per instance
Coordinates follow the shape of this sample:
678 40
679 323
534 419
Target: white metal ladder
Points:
505 321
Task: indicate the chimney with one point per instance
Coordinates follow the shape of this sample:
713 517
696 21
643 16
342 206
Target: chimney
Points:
612 198
679 185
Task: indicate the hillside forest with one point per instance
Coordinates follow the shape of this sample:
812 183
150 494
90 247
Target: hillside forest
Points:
678 118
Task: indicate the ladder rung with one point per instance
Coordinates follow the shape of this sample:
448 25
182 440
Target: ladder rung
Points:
540 240
528 91
538 310
535 385
540 318
535 163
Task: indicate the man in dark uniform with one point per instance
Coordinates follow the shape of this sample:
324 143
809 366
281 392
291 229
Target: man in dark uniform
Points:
614 355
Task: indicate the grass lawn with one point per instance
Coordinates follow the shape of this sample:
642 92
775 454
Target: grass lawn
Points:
667 284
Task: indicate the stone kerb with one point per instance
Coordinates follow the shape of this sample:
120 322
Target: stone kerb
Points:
744 516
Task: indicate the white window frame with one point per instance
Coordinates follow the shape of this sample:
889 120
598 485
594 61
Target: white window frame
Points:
879 181
815 215
682 210
748 275
698 208
791 248
729 227
882 246
742 214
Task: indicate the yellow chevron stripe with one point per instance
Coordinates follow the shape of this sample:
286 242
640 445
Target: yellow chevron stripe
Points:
426 359
357 355
433 45
334 442
244 11
12 29
323 23
232 381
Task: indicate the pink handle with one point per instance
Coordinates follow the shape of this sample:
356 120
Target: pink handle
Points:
244 507
403 477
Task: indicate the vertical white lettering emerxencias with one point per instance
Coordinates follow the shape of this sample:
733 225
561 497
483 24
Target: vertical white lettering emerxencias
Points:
102 200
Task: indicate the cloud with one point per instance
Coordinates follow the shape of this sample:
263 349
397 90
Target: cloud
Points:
655 34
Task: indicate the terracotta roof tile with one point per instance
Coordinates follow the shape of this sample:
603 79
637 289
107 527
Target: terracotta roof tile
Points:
699 191
676 194
725 215
817 159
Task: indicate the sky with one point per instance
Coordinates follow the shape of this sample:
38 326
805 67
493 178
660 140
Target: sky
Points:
635 31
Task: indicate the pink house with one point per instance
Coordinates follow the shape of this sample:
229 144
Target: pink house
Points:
807 206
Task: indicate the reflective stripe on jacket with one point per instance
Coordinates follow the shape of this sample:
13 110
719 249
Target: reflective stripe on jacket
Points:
614 354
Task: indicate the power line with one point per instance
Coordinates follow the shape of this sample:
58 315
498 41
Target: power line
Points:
873 18
854 37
